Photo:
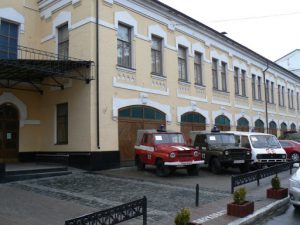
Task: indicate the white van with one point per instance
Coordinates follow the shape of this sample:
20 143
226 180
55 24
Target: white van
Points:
265 148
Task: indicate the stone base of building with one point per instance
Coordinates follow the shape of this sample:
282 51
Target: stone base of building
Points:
83 160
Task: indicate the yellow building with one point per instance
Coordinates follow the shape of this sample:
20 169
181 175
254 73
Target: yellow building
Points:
79 77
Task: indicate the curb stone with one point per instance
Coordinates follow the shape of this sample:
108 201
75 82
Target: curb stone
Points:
260 213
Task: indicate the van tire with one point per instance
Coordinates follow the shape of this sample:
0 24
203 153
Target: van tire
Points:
161 169
244 168
140 165
295 156
215 166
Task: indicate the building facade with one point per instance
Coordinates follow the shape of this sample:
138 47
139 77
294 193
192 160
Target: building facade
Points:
115 66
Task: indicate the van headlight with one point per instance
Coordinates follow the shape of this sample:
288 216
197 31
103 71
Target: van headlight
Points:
248 153
283 156
196 153
226 153
172 155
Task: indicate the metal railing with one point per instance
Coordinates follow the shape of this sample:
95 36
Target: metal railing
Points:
114 215
237 180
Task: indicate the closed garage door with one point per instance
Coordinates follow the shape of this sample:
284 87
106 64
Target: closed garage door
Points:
130 120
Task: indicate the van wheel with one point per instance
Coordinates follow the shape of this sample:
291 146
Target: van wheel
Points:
215 165
295 156
296 206
161 169
193 170
140 165
244 168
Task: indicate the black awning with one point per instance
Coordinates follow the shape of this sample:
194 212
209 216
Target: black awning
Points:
38 65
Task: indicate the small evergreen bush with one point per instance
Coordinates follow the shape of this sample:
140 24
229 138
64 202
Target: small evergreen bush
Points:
183 217
239 196
275 182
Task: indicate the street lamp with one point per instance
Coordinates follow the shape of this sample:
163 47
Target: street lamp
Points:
266 103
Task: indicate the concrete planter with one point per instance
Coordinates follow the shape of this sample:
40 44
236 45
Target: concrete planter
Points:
277 193
240 210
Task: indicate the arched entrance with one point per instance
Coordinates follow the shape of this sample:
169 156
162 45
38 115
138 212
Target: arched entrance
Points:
242 124
192 121
293 127
9 132
223 123
283 128
259 126
273 128
130 120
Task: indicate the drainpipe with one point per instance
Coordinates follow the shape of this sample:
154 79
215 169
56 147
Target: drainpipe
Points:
266 103
97 75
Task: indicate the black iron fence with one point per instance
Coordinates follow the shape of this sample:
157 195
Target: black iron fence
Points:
114 215
237 180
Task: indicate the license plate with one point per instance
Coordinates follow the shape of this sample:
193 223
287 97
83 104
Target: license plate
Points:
186 163
238 161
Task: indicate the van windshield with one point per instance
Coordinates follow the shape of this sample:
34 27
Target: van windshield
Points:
169 138
264 141
221 139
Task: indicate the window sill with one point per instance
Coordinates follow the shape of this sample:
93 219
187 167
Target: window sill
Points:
183 82
158 77
199 85
258 100
241 96
126 69
220 91
61 143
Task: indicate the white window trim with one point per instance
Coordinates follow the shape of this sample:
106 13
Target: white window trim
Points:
193 108
13 15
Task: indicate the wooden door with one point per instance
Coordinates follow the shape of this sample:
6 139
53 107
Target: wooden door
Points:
186 127
132 119
9 132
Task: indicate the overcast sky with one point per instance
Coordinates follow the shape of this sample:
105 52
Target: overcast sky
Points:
269 27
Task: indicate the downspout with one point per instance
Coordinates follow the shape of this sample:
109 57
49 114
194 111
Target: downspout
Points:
266 103
97 74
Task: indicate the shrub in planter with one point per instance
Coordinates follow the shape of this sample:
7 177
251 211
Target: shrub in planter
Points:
276 192
240 207
183 217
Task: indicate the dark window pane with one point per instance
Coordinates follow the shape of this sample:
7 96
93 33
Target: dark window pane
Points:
62 123
13 32
160 116
124 113
137 112
149 113
4 28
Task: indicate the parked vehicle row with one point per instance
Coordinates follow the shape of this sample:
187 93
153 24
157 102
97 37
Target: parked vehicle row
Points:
169 151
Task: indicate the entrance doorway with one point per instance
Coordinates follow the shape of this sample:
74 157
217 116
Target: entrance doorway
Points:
9 132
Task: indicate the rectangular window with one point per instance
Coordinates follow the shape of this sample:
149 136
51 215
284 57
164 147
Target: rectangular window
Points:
8 40
198 68
253 87
279 95
124 46
272 92
182 63
156 54
282 94
259 88
289 98
243 82
236 81
62 123
215 73
268 91
63 42
292 99
224 76
298 106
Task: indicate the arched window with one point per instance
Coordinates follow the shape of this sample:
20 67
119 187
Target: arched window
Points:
222 122
273 128
242 124
142 112
293 127
192 121
259 126
283 128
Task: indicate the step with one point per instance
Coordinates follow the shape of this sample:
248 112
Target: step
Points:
19 177
34 171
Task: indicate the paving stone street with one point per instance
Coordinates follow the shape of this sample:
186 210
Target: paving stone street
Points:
51 201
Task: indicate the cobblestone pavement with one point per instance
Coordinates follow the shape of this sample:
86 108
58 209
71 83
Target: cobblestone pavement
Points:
103 191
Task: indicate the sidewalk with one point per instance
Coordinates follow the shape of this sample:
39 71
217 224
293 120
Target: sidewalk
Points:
215 213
